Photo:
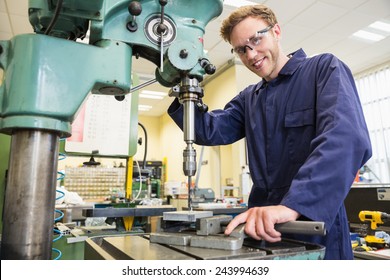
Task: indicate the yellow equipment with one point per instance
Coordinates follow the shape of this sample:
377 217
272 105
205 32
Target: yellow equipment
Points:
374 218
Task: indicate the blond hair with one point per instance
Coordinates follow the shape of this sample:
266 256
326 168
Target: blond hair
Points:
256 11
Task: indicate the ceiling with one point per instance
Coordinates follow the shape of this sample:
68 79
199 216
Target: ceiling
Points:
316 26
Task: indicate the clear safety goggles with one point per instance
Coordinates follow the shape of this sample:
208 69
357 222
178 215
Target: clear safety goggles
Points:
252 42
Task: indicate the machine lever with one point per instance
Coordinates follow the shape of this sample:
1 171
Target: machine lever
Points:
302 227
143 85
293 227
162 29
135 10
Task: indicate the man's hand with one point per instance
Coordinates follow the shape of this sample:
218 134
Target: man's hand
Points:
260 221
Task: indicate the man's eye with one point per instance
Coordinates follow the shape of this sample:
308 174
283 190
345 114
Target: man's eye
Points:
256 40
240 50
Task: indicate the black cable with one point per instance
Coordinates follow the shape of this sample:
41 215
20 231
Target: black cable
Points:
146 144
55 17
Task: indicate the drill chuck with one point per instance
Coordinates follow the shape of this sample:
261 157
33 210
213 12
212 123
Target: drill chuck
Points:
189 161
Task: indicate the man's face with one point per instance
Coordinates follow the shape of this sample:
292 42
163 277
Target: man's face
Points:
259 51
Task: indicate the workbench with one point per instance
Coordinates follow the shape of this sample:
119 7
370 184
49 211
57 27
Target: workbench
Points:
383 254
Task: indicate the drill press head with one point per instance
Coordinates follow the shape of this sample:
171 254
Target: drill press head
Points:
174 28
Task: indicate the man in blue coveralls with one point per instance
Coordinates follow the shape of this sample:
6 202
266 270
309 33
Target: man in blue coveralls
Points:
304 128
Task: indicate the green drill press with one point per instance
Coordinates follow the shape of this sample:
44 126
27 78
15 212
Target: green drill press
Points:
48 75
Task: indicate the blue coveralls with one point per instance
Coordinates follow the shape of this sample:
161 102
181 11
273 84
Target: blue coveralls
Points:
306 138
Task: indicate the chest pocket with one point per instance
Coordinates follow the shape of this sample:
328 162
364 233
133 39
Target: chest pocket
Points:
300 128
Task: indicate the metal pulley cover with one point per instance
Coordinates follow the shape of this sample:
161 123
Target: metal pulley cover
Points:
183 55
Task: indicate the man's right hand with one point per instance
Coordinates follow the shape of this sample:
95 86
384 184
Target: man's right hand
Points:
260 221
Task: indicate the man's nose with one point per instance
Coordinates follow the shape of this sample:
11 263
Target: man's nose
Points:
249 52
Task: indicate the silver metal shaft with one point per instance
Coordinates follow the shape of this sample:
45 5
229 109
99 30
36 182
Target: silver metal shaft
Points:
189 154
30 196
189 121
147 83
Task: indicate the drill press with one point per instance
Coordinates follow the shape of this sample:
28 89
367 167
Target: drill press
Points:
43 91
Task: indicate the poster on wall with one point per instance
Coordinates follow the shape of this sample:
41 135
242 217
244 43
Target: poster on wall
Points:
102 126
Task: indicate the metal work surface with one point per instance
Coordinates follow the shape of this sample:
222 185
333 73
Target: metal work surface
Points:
138 247
204 240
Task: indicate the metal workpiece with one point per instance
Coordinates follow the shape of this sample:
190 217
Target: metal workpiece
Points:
186 216
212 225
30 196
191 239
172 238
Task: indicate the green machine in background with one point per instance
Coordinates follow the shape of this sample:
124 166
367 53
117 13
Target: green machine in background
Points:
48 76
147 180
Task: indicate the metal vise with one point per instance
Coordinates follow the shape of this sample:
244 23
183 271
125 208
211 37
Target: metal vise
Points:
209 231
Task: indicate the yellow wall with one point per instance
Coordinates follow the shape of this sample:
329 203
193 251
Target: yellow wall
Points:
152 127
171 145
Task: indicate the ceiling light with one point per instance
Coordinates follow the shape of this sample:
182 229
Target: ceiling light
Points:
368 35
152 94
238 3
144 107
380 25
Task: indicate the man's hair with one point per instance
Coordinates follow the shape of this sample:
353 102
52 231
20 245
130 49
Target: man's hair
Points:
255 11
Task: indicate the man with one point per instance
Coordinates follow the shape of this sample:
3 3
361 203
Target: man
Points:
304 128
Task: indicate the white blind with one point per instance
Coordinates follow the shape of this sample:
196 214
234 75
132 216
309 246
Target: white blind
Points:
374 91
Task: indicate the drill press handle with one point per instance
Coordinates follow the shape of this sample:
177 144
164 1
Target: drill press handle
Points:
302 227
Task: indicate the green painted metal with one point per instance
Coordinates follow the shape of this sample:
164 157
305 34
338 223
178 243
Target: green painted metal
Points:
47 79
73 22
187 20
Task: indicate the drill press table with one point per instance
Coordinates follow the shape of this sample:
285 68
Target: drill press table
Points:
139 247
177 239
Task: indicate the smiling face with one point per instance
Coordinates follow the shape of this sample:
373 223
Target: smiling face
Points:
265 59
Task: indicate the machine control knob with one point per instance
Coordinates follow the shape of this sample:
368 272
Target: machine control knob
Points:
135 8
163 2
162 28
207 66
183 54
119 97
203 108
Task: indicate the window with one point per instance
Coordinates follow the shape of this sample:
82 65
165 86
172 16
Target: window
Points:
374 92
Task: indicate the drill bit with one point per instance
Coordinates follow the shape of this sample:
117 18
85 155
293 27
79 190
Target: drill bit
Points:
190 193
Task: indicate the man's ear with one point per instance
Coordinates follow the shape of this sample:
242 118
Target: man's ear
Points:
277 31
